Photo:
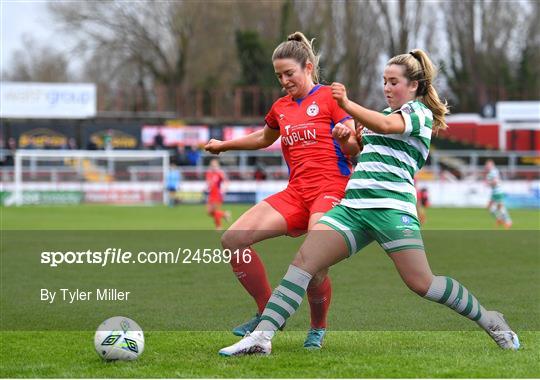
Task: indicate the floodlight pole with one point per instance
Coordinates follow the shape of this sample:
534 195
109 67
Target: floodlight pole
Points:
18 178
165 170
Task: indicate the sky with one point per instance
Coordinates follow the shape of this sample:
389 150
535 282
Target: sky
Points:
24 17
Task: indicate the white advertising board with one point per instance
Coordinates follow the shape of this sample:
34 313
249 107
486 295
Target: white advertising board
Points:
518 194
234 132
193 135
30 100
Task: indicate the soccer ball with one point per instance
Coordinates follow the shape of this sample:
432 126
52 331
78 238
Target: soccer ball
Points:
119 338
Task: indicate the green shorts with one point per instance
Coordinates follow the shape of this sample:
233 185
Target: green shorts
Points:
394 230
497 197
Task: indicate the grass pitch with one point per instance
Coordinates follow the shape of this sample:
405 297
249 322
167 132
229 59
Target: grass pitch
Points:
377 327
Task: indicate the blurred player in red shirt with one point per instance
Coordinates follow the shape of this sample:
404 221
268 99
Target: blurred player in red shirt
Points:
422 202
317 139
217 183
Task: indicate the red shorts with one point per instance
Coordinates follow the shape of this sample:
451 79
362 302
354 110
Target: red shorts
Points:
296 208
214 199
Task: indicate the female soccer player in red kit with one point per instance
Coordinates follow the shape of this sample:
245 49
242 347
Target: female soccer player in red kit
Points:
216 181
317 139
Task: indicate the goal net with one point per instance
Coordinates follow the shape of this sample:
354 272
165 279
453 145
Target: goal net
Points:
88 176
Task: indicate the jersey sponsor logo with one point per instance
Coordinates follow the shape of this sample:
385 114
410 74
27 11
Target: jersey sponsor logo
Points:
407 109
366 131
281 116
405 227
299 134
313 109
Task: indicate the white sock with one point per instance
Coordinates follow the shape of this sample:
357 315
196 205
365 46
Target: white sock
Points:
285 300
451 293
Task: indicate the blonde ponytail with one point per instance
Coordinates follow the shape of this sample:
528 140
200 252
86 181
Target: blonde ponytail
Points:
418 67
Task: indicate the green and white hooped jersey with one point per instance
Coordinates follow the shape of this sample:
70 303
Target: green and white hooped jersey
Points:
384 175
494 180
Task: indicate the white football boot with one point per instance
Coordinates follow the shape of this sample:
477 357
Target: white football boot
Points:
255 343
501 333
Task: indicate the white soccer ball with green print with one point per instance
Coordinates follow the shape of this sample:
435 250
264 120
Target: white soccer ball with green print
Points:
119 338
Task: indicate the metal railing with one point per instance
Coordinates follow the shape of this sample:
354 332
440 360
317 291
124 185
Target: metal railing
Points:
469 164
461 164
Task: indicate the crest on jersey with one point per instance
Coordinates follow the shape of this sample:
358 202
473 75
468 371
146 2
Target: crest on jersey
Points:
405 219
313 109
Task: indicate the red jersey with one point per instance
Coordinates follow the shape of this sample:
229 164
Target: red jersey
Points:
305 125
214 179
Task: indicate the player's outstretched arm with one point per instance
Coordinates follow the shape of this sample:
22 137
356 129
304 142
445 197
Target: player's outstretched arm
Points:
370 119
256 140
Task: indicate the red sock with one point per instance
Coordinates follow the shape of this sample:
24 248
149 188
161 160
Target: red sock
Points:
319 298
218 215
253 277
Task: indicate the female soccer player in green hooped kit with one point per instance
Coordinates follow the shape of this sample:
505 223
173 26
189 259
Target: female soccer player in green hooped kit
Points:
379 205
496 203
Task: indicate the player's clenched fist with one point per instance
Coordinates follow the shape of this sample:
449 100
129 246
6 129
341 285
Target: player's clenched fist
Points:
214 146
341 132
339 93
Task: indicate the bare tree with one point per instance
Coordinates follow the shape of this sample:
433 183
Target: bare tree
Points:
192 43
528 75
485 46
213 58
363 44
350 44
289 21
132 39
36 63
401 21
175 44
